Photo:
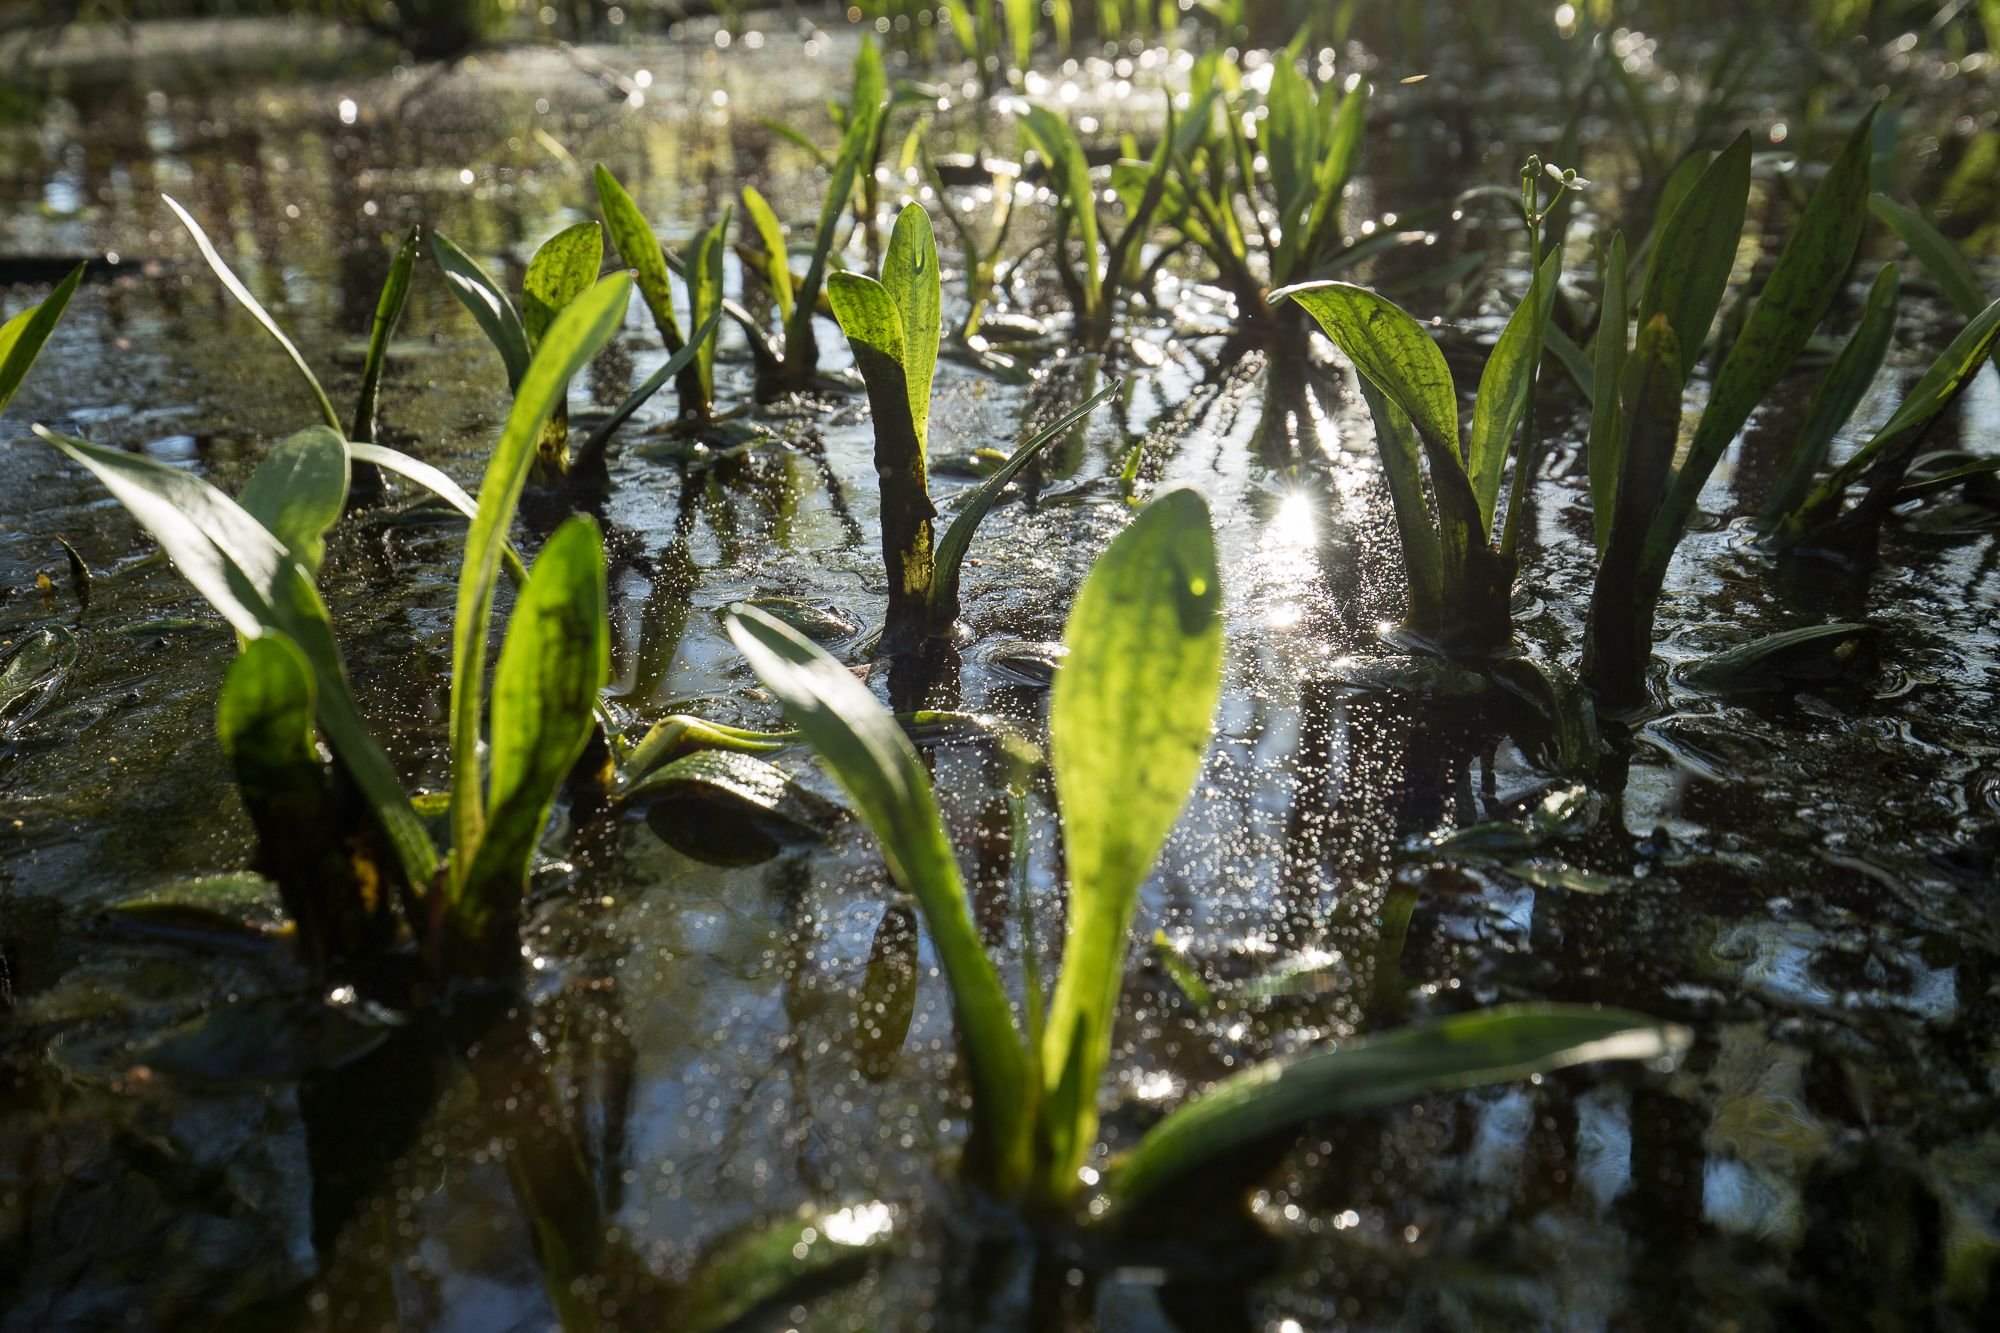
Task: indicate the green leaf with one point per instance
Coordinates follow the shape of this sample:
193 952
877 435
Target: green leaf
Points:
1836 397
910 275
593 448
1390 350
1465 1051
1069 174
298 491
264 718
21 337
704 278
874 763
1607 426
562 269
1694 251
1803 283
957 539
801 352
1784 660
388 310
1939 256
778 262
488 304
247 574
1950 375
1401 452
583 327
556 657
640 251
1504 387
1129 721
242 294
1336 168
768 1260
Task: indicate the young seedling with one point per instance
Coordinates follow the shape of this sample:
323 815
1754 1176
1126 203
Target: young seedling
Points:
1102 269
1460 585
1128 724
642 252
1266 212
254 560
1636 427
894 326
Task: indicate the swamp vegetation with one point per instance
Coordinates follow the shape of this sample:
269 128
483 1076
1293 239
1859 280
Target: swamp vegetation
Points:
1250 666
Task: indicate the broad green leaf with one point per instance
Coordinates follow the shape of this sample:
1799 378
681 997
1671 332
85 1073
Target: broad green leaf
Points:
1939 256
874 763
1607 438
704 278
248 576
1950 375
257 312
1803 283
1389 349
388 310
1069 175
562 269
556 657
910 275
1129 721
579 331
1838 394
264 717
1695 249
1423 558
1504 387
298 491
640 251
490 309
957 539
1464 1051
21 337
771 235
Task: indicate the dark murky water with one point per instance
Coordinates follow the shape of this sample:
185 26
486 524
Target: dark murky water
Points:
1807 878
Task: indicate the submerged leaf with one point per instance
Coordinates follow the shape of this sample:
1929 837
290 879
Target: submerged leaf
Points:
1785 659
747 785
33 672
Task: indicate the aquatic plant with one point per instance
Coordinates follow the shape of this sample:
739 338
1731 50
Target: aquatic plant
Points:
1103 267
798 296
1460 584
254 559
1636 427
1264 210
1128 727
894 325
642 252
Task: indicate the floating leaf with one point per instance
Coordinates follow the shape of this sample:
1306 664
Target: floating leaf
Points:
734 779
1786 659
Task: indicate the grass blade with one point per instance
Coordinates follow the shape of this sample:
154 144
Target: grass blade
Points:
247 575
235 287
801 351
1464 1051
874 763
1129 722
491 310
298 491
22 337
575 336
1069 172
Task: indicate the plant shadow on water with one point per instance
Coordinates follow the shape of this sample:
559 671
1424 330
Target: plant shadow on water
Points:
732 1045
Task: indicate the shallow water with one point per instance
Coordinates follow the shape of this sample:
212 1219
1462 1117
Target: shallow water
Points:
1805 878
